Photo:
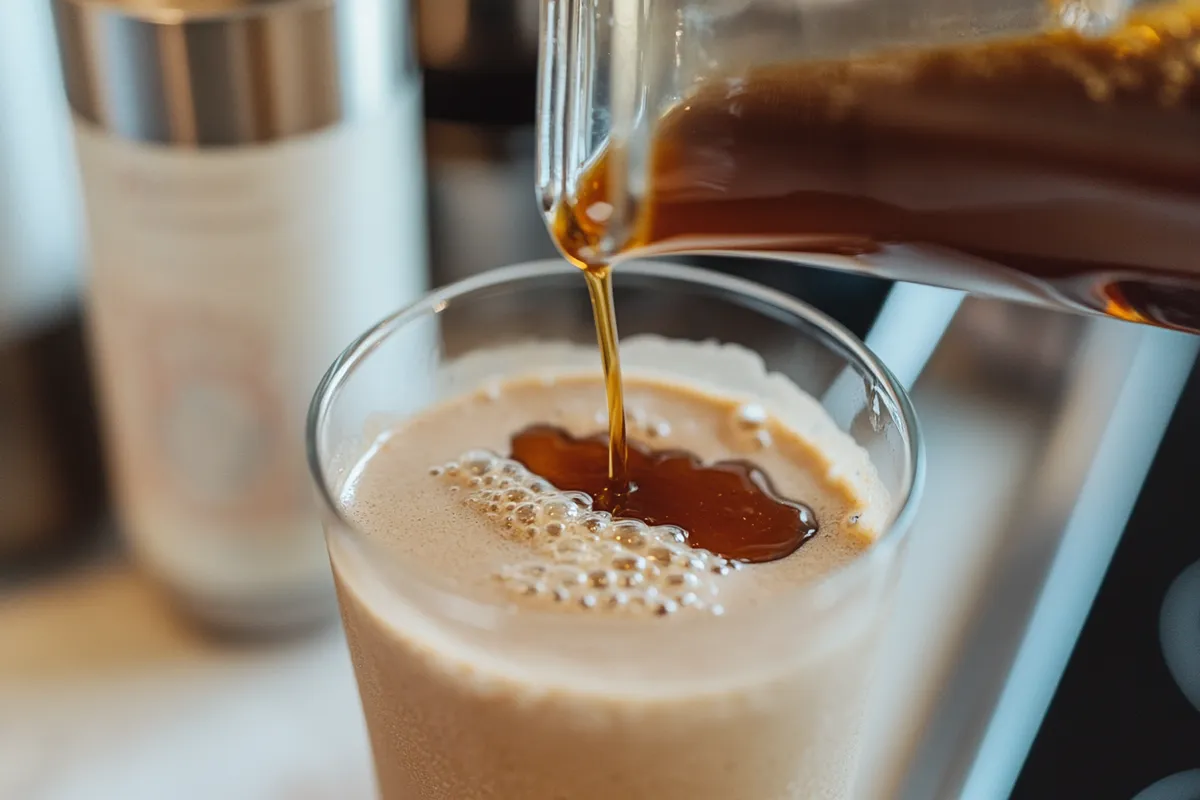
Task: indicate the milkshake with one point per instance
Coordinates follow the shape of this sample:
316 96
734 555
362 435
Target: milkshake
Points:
513 642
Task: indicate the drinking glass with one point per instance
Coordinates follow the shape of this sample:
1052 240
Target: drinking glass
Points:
468 699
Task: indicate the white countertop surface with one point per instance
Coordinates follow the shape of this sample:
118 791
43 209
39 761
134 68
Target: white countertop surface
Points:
105 693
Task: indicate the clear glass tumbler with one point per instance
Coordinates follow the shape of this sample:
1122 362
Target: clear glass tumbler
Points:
465 699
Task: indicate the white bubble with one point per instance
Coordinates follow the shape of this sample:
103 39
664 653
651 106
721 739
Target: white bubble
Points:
632 579
597 521
628 562
749 416
526 512
601 578
559 510
660 554
554 529
671 533
682 578
477 462
630 533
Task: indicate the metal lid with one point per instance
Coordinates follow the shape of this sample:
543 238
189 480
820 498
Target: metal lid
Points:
210 73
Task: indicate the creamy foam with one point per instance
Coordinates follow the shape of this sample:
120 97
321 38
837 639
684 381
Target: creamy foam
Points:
461 533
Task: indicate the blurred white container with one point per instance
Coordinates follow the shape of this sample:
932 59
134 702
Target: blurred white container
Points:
255 197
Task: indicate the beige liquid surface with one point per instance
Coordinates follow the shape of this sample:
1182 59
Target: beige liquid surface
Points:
555 677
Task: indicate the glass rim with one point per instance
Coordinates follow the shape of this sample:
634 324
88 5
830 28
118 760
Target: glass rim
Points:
896 524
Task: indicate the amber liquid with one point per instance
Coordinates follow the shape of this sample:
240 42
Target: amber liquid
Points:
729 507
599 282
1057 168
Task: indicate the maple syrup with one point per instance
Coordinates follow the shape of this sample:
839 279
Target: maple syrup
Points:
729 507
599 281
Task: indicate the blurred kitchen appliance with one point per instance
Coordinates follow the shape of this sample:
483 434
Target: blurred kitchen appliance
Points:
1143 635
51 487
255 199
479 59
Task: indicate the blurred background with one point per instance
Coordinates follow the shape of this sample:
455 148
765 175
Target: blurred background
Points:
163 636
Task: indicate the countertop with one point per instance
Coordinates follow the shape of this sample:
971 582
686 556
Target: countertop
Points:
106 693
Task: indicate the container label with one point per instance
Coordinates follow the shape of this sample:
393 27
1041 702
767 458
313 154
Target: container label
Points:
223 283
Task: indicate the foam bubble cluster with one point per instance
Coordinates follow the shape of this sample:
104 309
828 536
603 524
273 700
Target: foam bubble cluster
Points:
583 556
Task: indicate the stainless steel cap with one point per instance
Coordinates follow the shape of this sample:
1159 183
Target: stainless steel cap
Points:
211 73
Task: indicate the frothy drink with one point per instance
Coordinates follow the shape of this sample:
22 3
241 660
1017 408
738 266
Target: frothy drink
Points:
528 646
